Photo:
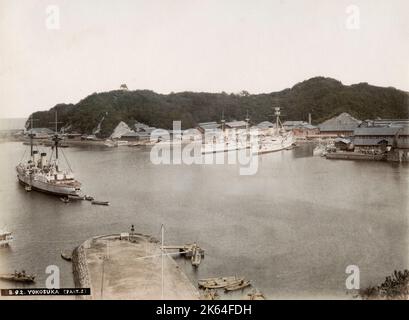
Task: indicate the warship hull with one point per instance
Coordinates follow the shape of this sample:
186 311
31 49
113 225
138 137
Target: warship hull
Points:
50 188
276 144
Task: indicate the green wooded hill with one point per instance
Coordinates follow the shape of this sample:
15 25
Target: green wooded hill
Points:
322 97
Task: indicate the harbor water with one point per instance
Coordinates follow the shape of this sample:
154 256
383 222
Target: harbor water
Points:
292 228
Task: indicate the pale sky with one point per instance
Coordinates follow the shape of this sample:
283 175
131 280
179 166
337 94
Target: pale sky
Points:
194 45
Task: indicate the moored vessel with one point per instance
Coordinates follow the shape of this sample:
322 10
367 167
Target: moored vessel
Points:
45 175
275 139
5 238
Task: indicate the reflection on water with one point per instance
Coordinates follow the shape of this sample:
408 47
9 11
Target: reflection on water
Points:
292 228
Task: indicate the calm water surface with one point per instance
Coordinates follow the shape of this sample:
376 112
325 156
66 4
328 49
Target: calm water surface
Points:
292 228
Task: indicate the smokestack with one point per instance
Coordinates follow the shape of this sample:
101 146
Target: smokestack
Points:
34 156
43 159
309 118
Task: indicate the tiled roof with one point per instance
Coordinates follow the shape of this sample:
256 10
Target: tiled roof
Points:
342 122
376 131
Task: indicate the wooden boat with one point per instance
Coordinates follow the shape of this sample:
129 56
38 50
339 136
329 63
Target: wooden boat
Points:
75 197
66 255
255 295
65 200
210 295
196 258
88 198
237 286
217 283
101 203
18 277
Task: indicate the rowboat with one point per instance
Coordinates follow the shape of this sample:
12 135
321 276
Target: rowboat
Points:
216 283
237 286
66 255
65 200
101 203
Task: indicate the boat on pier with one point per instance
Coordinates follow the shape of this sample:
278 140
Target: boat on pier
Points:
18 277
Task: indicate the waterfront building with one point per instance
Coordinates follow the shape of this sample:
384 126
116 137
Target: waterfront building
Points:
342 125
385 123
375 139
236 125
343 144
208 127
301 128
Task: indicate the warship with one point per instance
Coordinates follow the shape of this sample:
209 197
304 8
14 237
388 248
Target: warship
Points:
45 175
224 142
278 139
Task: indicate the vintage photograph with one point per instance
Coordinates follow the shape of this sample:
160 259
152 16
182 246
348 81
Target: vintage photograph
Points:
204 150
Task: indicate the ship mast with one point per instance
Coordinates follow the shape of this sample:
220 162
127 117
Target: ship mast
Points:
277 114
31 135
56 139
222 120
247 121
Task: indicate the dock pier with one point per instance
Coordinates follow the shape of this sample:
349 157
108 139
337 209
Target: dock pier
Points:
118 267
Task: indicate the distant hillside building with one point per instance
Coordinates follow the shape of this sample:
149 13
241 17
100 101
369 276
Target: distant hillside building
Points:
236 125
265 125
341 125
124 87
208 127
41 133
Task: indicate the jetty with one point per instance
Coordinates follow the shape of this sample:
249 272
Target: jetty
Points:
192 251
129 266
355 156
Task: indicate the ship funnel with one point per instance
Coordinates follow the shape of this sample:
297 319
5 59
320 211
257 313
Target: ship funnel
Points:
34 156
43 159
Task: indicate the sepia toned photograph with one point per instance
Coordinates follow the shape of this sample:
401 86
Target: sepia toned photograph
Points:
204 150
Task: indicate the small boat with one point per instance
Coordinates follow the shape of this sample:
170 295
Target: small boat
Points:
88 198
237 286
5 238
196 258
217 283
75 197
65 200
18 277
101 203
255 295
210 295
66 255
27 188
